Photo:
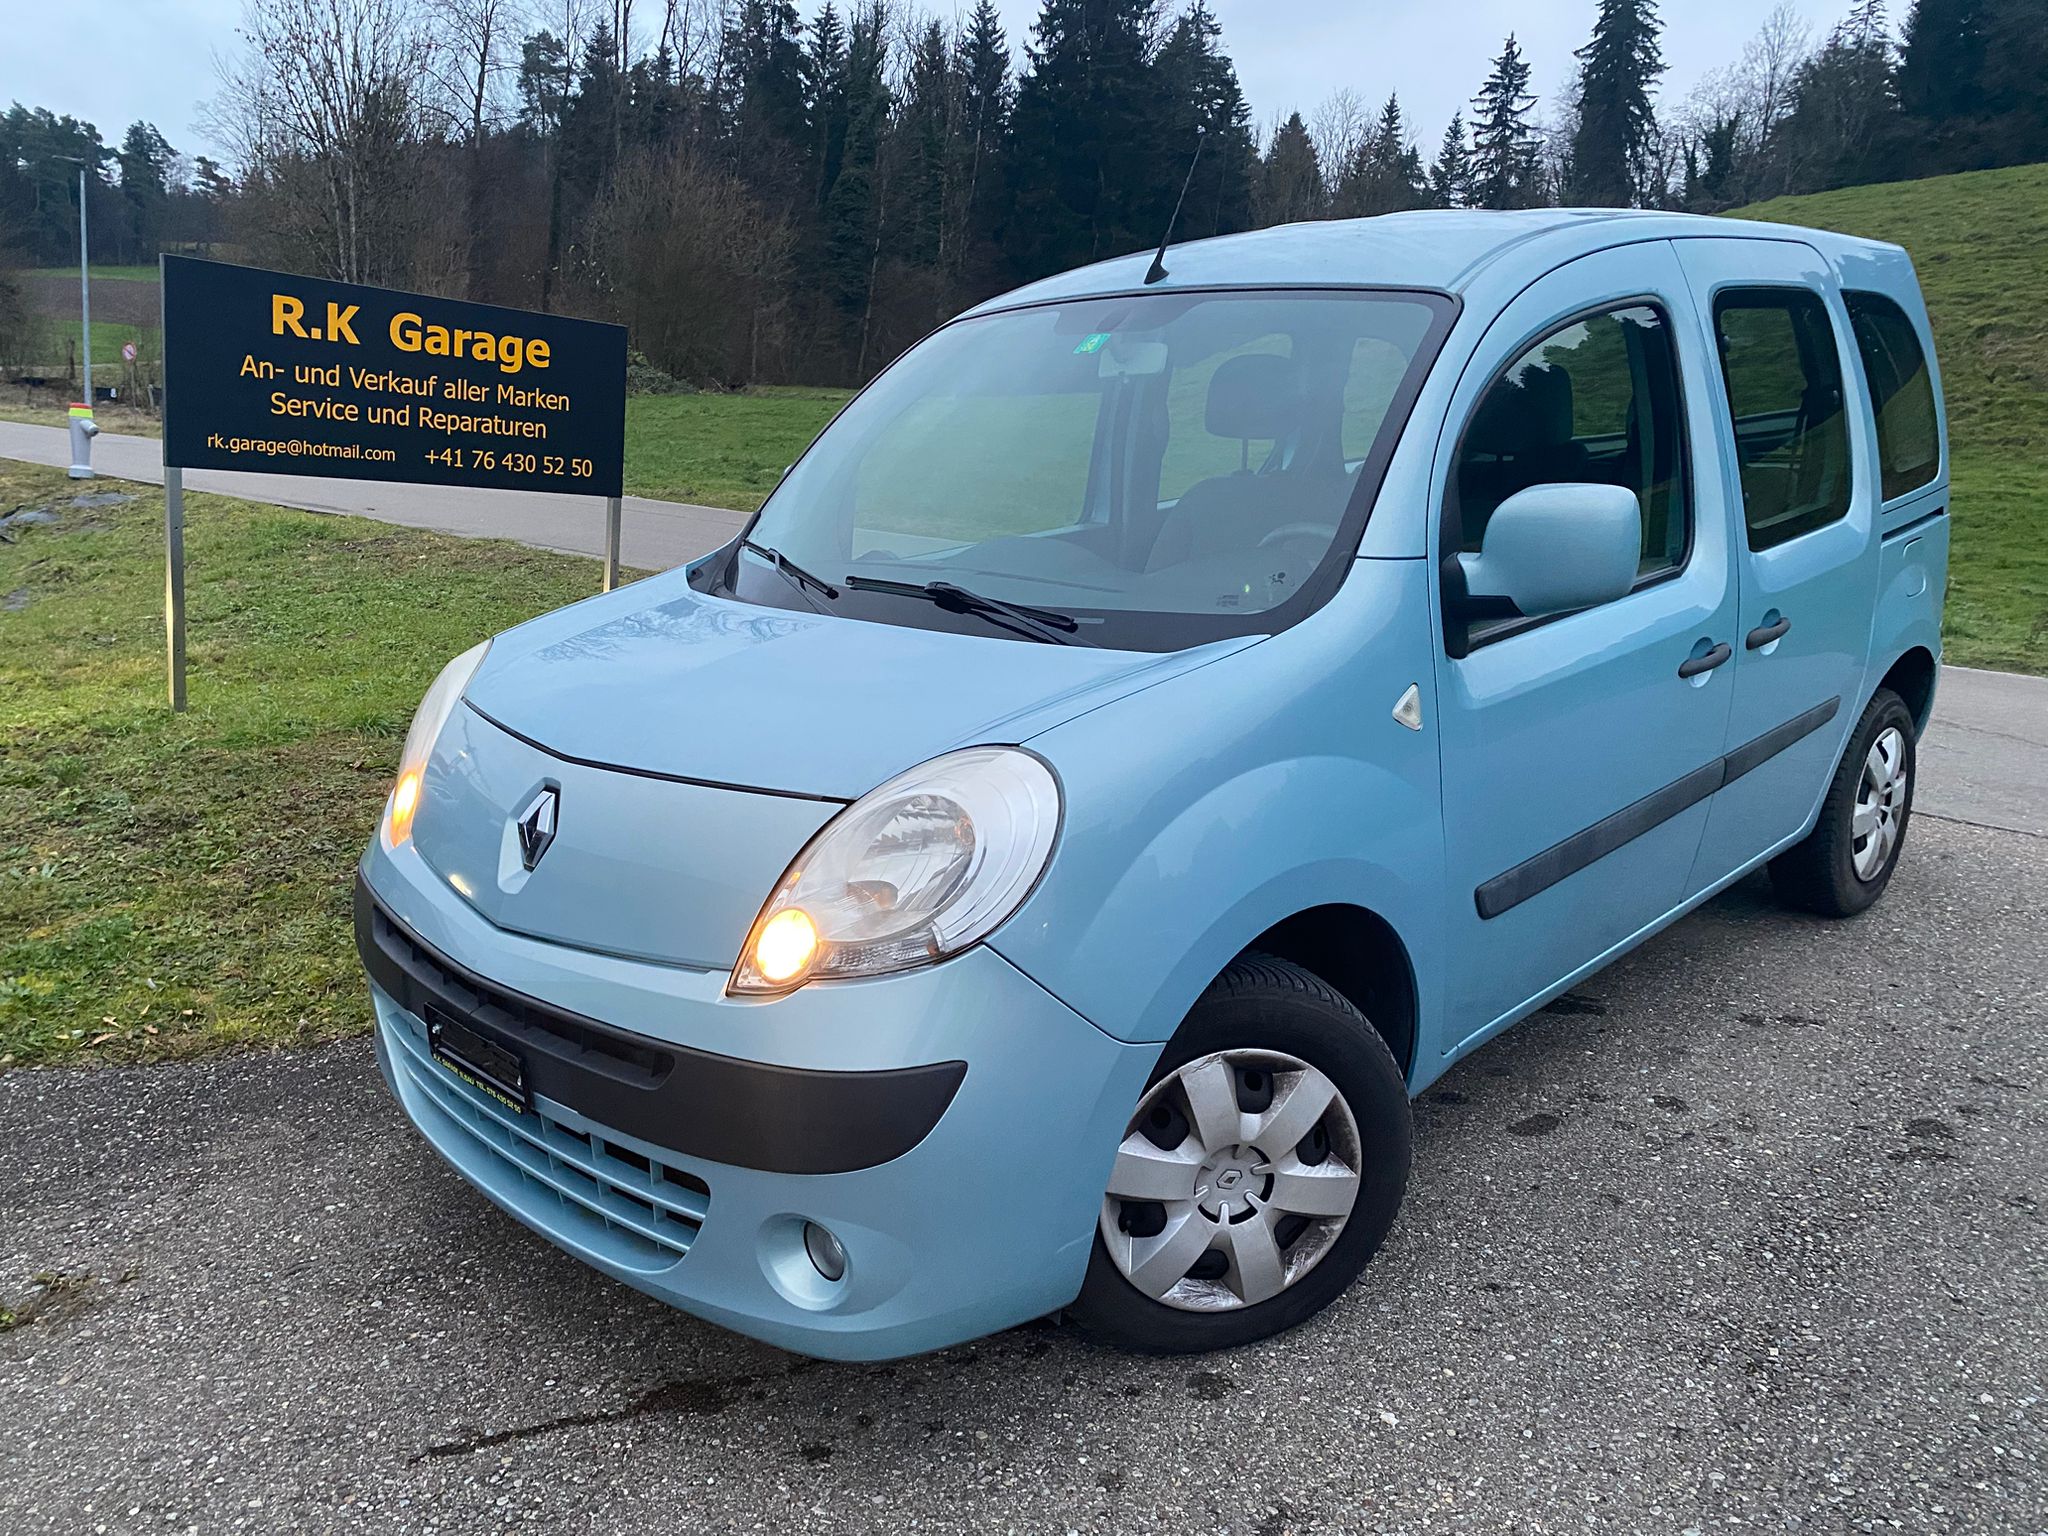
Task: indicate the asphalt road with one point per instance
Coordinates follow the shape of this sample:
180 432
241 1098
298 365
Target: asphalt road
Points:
654 535
1747 1232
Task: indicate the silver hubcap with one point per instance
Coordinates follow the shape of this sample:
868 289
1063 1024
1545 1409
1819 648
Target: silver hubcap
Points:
1236 1176
1880 804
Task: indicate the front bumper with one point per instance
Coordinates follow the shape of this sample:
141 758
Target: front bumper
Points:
952 1127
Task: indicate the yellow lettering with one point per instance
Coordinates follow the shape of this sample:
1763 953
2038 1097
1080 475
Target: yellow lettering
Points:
338 326
405 331
286 311
537 354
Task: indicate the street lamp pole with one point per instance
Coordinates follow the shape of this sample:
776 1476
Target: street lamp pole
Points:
84 286
84 275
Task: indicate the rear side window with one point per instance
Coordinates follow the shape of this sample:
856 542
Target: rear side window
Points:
1784 378
1596 400
1901 393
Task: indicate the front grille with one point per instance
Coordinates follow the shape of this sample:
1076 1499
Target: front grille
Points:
633 1209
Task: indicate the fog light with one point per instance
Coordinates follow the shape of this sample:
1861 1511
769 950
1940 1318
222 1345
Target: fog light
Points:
827 1257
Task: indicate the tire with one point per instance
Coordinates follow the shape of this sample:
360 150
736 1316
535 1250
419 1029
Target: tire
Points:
1277 1036
1837 871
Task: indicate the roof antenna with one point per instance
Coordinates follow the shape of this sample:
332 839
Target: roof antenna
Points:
1158 269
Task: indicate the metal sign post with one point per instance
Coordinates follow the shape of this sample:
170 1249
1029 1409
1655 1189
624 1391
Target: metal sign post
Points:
174 551
613 507
174 582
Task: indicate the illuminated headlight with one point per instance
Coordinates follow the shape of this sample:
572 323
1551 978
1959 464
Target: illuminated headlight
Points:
933 861
433 713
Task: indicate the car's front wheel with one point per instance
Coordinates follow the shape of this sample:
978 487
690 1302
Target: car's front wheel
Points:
1259 1172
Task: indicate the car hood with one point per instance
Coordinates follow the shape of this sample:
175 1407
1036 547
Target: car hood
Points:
659 678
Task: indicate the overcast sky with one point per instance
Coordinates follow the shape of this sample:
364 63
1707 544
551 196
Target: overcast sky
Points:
113 61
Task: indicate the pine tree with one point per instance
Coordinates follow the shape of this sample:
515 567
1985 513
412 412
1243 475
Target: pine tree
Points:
2016 80
1386 175
825 85
1203 101
1710 166
852 203
1088 170
1941 62
145 159
985 74
1504 140
926 126
1841 124
983 68
1617 125
765 108
1450 179
1290 180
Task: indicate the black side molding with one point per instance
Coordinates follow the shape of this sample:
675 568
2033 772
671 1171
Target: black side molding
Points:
1535 875
1754 754
750 1114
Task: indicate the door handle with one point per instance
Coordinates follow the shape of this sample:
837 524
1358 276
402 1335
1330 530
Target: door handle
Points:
1693 666
1764 634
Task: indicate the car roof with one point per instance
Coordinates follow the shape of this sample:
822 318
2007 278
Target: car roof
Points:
1448 250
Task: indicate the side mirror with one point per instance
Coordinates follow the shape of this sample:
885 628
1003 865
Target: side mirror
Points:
1556 548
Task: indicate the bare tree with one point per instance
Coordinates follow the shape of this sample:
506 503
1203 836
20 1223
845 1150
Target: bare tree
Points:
1339 130
325 107
701 268
690 33
470 76
1754 95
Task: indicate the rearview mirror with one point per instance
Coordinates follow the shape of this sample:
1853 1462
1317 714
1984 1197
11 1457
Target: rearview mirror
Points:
1556 548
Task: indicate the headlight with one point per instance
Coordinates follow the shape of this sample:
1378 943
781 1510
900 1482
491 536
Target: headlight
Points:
933 861
433 713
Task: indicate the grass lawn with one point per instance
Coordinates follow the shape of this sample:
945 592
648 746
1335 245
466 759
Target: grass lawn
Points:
721 450
108 337
142 274
170 883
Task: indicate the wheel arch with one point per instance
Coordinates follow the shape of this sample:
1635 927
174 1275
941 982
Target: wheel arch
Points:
1358 953
1912 678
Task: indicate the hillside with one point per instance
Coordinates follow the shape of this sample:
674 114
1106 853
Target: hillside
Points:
1980 241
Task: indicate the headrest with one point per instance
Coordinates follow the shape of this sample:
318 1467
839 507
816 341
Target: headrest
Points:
1257 395
1527 410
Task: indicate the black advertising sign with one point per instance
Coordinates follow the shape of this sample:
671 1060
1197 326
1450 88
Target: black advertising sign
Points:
298 376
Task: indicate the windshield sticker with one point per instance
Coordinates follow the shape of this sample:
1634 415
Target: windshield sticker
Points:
1090 344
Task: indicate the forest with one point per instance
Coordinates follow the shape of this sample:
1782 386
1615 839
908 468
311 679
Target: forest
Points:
763 197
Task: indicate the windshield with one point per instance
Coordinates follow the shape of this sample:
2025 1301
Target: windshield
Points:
1162 470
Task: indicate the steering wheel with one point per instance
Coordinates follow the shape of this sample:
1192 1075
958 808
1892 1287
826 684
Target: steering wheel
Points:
1286 531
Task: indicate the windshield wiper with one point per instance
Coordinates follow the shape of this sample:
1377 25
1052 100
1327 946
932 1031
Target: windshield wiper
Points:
1045 624
791 569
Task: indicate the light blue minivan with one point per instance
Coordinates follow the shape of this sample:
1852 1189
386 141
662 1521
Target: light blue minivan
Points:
1159 727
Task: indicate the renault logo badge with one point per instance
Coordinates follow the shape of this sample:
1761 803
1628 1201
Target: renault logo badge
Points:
537 826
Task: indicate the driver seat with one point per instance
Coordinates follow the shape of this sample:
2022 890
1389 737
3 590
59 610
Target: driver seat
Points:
1256 396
